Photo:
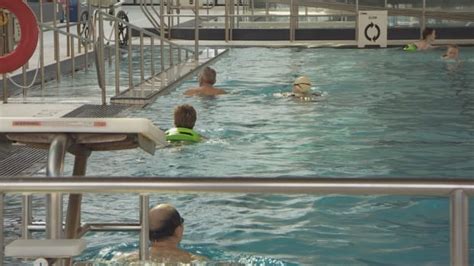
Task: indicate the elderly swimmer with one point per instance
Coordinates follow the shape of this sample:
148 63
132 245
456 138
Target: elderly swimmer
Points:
452 52
302 90
166 230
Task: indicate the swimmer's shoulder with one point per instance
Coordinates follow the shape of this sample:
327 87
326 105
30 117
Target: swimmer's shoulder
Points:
192 92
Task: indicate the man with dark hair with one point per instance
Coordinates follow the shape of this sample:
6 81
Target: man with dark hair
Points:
207 79
429 36
166 231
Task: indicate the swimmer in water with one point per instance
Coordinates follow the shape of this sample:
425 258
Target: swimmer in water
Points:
429 36
302 90
452 52
207 79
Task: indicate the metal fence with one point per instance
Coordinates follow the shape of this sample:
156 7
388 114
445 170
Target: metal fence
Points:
457 191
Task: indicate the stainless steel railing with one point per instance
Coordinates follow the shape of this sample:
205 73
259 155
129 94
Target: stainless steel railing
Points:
70 45
458 192
169 50
170 53
236 11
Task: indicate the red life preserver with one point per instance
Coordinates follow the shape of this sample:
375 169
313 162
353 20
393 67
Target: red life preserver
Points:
29 36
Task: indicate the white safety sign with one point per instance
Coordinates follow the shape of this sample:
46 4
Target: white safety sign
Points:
372 28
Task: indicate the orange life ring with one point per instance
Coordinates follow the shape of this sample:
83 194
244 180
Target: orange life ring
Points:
29 36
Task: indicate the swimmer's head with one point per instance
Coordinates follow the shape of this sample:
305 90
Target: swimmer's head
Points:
165 222
185 116
207 76
429 34
452 52
302 84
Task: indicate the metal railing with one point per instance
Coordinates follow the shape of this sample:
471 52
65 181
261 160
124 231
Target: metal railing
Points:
104 48
73 45
458 192
171 53
236 10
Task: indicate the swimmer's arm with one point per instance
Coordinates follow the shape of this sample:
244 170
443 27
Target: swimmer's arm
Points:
220 91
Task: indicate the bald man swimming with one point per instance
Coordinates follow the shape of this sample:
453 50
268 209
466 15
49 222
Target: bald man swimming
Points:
166 232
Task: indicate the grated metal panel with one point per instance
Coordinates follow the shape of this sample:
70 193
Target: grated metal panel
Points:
89 110
22 160
19 159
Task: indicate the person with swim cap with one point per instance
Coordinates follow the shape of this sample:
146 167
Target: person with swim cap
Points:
302 89
184 119
452 52
207 79
429 36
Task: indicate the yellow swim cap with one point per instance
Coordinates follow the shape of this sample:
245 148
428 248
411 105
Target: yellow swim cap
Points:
303 83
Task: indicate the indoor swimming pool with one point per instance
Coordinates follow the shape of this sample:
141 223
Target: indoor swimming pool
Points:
383 113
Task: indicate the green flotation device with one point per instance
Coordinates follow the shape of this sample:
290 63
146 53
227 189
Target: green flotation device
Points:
182 134
410 47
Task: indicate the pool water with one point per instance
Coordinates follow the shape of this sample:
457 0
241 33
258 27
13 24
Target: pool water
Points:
384 113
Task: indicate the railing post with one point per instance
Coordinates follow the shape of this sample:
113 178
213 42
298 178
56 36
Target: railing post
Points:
25 83
292 21
55 168
459 214
101 60
26 201
152 56
2 236
226 20
196 30
357 20
130 73
162 36
57 55
423 18
142 59
5 88
117 59
144 226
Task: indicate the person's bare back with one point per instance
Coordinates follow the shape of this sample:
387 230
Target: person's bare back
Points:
207 79
204 91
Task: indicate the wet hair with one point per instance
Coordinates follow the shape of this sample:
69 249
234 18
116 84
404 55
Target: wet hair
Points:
453 46
167 228
208 75
184 116
427 32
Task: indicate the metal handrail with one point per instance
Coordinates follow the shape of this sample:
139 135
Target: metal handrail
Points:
142 30
350 186
58 30
101 48
457 190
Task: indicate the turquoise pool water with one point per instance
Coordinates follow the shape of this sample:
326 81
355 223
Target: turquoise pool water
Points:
384 113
